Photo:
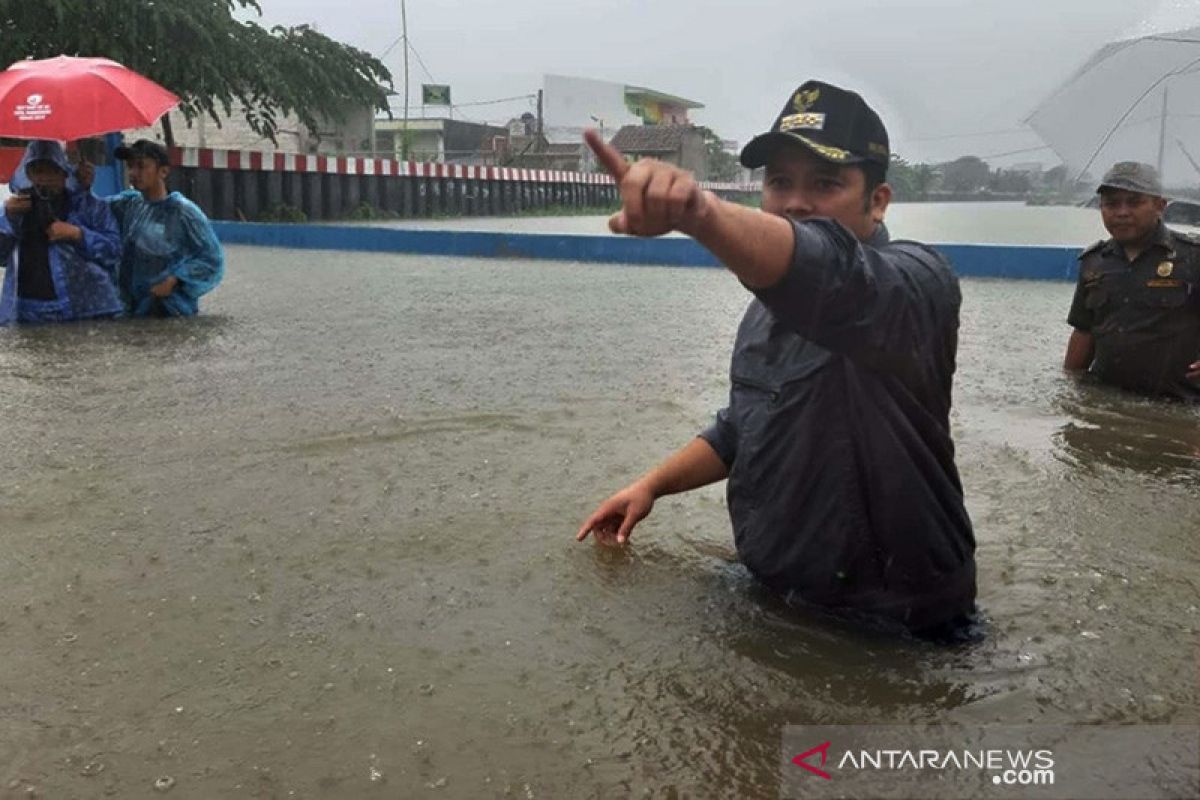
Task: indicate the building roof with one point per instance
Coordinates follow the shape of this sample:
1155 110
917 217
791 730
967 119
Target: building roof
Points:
435 124
521 141
650 138
661 97
562 134
528 145
565 148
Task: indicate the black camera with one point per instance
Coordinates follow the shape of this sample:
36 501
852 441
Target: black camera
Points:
43 207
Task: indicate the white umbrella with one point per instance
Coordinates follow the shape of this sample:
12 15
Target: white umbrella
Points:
1133 100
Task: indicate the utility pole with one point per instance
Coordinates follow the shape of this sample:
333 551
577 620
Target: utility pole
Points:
539 119
404 36
1162 133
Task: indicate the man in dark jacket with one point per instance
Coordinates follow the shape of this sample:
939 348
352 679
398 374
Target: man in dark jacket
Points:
842 485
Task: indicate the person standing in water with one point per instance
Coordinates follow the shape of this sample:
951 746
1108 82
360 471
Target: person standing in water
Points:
60 245
170 254
835 444
1136 311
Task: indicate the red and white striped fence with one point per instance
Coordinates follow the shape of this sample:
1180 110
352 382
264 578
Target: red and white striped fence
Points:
264 161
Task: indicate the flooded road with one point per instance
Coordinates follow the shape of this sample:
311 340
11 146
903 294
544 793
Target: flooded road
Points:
319 543
978 223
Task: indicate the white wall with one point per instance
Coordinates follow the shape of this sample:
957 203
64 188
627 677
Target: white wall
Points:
235 133
572 102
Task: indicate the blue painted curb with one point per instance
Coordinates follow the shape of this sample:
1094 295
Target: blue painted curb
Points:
973 260
1022 262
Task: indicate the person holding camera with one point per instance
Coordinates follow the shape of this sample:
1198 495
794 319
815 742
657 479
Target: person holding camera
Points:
60 246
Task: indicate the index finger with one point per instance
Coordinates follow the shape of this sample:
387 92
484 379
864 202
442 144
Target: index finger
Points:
593 522
609 157
587 527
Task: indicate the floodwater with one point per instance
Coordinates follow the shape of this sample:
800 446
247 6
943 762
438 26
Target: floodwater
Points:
319 543
986 223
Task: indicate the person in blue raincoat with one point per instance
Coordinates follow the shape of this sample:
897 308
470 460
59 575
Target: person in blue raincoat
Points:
60 245
170 254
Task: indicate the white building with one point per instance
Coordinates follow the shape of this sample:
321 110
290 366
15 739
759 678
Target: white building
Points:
353 136
572 104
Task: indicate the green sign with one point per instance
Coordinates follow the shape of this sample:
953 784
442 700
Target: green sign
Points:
435 94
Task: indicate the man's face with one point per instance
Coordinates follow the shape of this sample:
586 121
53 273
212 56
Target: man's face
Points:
1130 216
145 173
800 185
46 176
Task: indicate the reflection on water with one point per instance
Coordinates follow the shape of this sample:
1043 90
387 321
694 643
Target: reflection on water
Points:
97 345
1109 428
319 542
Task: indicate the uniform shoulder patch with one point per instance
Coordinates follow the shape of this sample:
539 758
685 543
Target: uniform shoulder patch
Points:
1093 248
1190 238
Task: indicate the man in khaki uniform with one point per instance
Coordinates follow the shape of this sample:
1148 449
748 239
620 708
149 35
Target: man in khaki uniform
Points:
1136 311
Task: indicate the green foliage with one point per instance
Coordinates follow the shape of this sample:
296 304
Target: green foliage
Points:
283 213
1057 188
911 182
971 177
722 165
367 212
1010 182
966 174
1055 178
200 51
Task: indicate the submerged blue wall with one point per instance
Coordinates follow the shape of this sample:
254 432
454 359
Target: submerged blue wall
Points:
974 260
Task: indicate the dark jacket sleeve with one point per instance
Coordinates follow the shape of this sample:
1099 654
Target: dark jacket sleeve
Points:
722 437
885 308
1080 317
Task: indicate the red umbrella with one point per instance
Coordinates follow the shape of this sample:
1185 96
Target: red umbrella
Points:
72 98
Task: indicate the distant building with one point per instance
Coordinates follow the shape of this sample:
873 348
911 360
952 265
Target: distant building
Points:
1031 168
525 125
681 145
450 141
572 105
535 152
351 136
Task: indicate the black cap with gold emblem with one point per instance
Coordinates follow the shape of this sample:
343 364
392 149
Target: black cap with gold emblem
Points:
834 123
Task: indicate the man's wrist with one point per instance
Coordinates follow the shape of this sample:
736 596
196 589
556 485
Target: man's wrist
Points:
704 225
651 484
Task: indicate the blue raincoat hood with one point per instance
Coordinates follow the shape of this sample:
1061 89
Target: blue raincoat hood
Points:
42 150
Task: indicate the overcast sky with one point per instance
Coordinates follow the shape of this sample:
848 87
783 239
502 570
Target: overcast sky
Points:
935 69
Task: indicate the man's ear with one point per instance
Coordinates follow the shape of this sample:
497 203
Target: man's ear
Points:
881 198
